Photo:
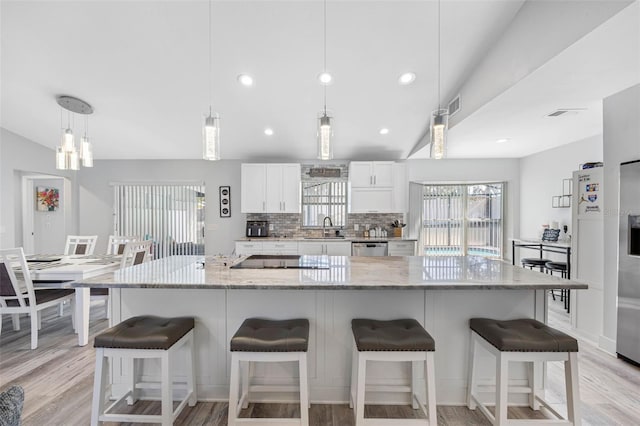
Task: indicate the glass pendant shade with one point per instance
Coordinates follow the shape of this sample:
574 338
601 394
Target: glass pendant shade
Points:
74 160
438 136
67 143
325 134
61 159
86 152
211 137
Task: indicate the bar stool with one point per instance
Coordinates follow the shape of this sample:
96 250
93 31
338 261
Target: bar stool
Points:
399 340
263 340
565 295
140 338
534 262
522 340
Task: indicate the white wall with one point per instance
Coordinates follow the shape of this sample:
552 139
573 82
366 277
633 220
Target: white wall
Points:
485 170
541 177
18 157
96 195
621 143
49 228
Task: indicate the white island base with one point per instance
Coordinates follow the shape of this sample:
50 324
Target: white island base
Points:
444 313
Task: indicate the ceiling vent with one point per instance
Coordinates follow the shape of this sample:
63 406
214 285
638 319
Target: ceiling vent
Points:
454 105
565 111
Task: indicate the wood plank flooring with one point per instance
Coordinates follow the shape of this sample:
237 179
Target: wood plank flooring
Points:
58 379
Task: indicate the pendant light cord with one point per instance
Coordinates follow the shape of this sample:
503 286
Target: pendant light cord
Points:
324 66
439 64
210 77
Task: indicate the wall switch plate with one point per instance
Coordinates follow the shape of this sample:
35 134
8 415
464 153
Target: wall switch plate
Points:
271 227
356 227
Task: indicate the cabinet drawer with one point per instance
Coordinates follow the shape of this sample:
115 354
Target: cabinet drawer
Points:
402 248
277 247
246 248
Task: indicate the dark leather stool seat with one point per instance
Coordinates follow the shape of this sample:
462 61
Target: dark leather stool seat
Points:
264 335
533 261
523 335
145 332
556 266
95 291
394 335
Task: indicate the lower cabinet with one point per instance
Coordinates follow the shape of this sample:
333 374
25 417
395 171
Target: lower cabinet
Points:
402 248
245 248
279 247
331 248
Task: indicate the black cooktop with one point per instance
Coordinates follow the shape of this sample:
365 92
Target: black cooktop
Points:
262 261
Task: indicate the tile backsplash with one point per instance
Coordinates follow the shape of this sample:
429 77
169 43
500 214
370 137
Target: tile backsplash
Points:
289 225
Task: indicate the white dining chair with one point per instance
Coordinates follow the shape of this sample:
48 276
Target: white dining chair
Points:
17 295
117 243
80 244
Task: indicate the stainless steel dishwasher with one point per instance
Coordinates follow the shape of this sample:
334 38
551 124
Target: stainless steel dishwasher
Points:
370 249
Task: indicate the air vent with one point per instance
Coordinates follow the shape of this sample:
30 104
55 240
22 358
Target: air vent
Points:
454 105
565 111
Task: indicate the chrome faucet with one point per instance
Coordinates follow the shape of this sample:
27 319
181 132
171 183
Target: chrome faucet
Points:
324 225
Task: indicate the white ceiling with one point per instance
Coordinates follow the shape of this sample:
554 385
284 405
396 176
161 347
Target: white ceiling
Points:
144 67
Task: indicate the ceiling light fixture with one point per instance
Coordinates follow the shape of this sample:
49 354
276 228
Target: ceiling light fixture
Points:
440 117
325 131
268 131
407 78
67 156
502 140
245 80
325 78
211 128
384 131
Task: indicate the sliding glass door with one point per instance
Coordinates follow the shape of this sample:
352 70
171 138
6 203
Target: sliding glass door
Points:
462 219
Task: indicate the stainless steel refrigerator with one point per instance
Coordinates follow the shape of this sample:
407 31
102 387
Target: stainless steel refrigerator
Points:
628 341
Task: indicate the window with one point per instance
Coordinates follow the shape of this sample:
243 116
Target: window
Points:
326 198
170 215
462 219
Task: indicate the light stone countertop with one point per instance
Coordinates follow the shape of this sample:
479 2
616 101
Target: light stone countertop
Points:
329 239
345 272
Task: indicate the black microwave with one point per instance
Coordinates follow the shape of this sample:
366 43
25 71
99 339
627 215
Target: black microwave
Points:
257 228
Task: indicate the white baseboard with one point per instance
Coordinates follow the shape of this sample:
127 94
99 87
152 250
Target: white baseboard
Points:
608 345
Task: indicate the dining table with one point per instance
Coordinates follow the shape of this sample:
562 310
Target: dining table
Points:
58 271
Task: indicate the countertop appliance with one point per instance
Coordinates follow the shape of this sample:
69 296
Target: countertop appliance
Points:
257 228
628 340
261 261
370 249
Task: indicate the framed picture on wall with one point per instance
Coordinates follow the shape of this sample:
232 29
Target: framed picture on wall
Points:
47 199
225 201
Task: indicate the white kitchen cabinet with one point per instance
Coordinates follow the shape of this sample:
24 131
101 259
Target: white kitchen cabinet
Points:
371 200
331 248
371 174
279 247
402 248
270 188
245 248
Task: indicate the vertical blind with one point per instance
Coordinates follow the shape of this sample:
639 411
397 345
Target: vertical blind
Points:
462 219
172 216
322 199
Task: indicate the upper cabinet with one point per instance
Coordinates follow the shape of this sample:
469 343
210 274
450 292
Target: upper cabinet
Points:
270 188
371 174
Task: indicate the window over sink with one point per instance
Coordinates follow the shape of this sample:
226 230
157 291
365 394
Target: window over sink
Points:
324 198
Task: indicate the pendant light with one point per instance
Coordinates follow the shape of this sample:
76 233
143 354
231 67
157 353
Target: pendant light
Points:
211 128
440 117
325 130
67 155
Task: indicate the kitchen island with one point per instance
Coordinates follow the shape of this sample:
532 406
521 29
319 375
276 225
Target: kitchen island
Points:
440 292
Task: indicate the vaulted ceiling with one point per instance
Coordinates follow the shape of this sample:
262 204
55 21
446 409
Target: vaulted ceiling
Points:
144 68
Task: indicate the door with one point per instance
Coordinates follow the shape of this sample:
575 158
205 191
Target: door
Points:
253 188
274 188
290 193
382 174
45 220
360 174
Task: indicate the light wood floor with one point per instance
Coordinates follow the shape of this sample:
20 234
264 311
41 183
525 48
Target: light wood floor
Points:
58 378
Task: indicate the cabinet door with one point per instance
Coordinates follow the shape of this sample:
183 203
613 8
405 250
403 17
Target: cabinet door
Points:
310 247
383 174
290 188
252 188
280 247
360 174
371 200
274 188
402 248
338 248
248 248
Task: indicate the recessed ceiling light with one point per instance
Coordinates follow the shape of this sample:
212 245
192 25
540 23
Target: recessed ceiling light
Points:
325 78
407 78
384 131
268 131
502 140
245 80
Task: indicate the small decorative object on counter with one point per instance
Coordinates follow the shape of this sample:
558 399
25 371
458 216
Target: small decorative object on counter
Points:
397 228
